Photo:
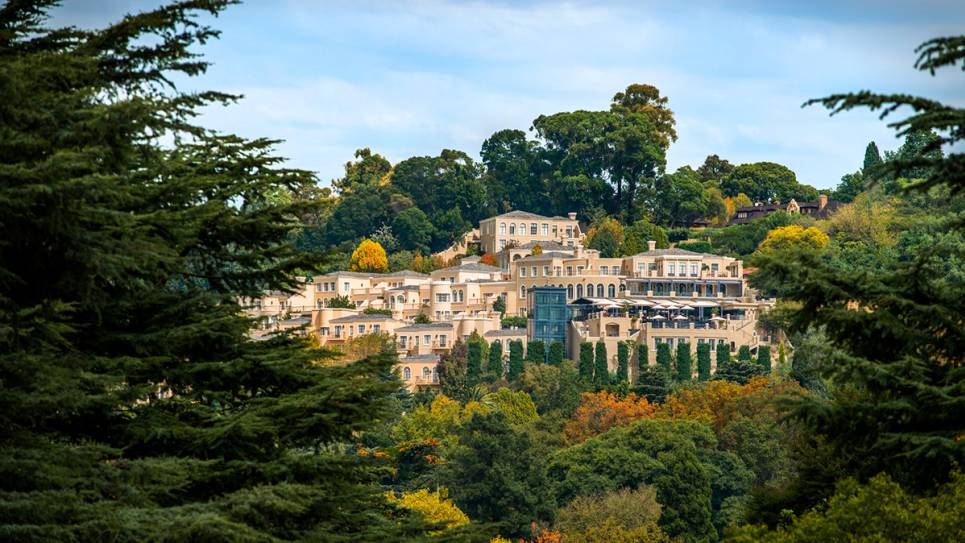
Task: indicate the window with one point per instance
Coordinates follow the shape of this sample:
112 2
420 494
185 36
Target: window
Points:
402 341
338 330
554 230
742 215
559 271
345 286
442 298
569 270
502 228
579 291
545 229
324 330
714 267
533 269
376 328
406 374
546 271
579 270
318 287
427 339
604 270
569 291
522 228
426 373
611 291
442 341
693 269
532 228
361 328
522 271
671 269
502 244
640 266
599 290
512 229
569 231
522 292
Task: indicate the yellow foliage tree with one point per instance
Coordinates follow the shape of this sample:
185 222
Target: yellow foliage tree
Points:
794 237
718 402
439 421
537 250
435 506
868 219
600 411
369 256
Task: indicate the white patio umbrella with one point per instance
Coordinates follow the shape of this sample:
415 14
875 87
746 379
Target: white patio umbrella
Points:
658 318
716 318
680 318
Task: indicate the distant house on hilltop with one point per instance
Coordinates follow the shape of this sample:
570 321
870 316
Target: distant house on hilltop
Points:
821 209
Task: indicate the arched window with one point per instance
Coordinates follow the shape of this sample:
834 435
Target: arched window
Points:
579 291
623 288
569 291
599 290
400 299
522 228
512 229
426 373
611 291
406 374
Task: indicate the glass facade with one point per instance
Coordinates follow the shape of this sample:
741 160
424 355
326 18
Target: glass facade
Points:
548 314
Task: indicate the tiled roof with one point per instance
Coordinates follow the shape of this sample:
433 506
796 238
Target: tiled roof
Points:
472 267
429 326
420 358
297 320
405 273
521 215
547 255
362 317
545 245
506 332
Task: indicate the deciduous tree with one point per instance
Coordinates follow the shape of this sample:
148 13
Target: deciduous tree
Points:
600 411
369 256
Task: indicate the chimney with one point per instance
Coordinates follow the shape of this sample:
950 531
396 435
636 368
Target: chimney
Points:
651 245
571 215
822 201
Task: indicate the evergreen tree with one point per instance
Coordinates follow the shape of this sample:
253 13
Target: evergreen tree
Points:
494 368
586 361
703 361
134 406
556 353
872 160
685 368
473 363
723 354
515 359
601 371
653 384
764 358
664 358
643 359
536 351
744 353
623 362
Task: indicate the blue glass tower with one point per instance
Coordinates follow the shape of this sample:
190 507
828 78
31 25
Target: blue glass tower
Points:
547 314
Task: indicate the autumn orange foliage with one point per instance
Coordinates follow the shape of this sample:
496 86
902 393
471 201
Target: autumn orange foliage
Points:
488 259
715 403
600 411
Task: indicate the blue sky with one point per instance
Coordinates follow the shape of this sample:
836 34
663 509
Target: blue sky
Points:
412 78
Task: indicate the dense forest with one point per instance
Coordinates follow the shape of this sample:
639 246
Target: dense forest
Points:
134 406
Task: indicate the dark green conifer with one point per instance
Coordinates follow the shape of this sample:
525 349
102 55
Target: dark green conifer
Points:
601 371
703 361
623 362
586 361
494 366
556 353
764 358
664 358
515 359
473 363
643 359
134 406
536 351
685 369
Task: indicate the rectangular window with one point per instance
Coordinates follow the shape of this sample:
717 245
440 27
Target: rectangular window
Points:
693 269
442 298
427 339
640 266
403 340
522 271
338 331
532 229
345 286
502 228
579 270
714 267
545 229
318 287
671 269
559 271
361 328
546 271
554 230
533 269
502 244
569 270
569 231
604 270
325 330
376 328
415 340
442 341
